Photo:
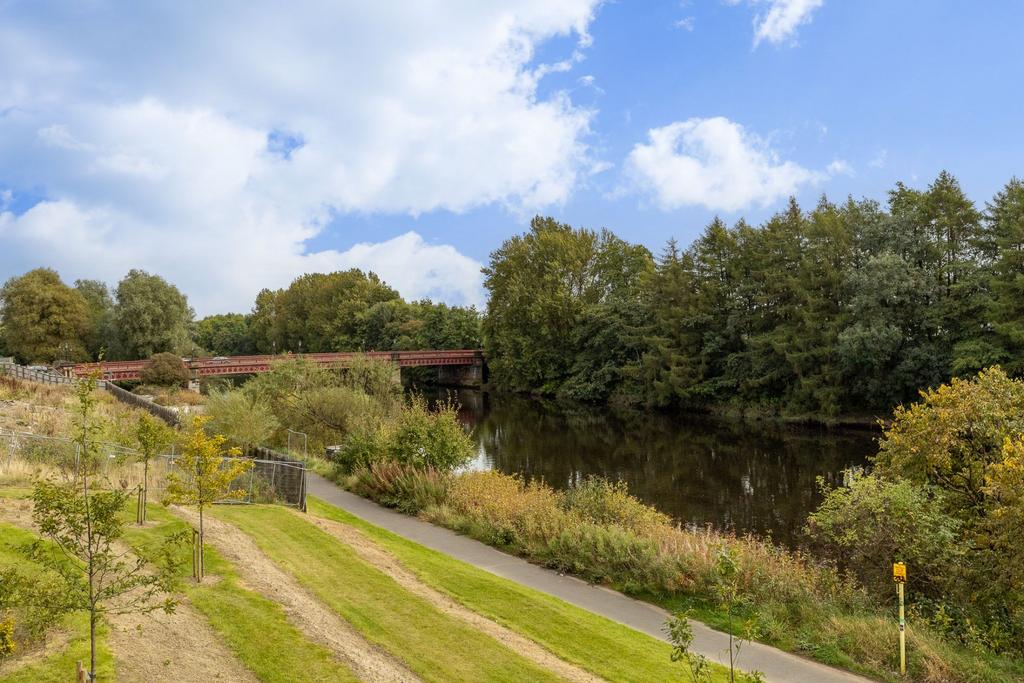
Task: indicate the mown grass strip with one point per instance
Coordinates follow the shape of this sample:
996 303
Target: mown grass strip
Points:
60 666
603 647
434 645
254 627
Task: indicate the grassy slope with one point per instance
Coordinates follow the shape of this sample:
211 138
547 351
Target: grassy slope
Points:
60 666
604 647
254 627
434 645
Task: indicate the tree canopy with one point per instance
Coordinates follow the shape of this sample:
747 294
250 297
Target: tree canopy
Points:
42 319
846 308
152 316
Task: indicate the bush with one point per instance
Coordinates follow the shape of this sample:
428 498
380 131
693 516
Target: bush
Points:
409 489
165 370
963 440
244 420
603 502
417 437
871 523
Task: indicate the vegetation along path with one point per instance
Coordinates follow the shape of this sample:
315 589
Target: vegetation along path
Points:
776 665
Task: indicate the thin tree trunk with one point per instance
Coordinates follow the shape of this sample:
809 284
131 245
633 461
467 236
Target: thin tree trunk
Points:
92 644
145 488
202 539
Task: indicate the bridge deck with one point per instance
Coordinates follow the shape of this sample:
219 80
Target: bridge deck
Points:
241 365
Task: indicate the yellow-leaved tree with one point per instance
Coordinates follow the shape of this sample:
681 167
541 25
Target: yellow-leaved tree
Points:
202 476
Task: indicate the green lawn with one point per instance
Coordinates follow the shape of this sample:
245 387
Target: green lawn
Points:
436 646
254 627
60 666
604 647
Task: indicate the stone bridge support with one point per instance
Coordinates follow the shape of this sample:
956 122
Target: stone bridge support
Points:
461 375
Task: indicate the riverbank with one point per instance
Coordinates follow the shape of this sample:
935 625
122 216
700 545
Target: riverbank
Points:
754 413
734 475
766 593
640 616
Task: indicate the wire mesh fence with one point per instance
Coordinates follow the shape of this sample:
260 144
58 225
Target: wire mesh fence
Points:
25 456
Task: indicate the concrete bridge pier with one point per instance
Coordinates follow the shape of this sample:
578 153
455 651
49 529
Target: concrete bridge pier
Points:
461 375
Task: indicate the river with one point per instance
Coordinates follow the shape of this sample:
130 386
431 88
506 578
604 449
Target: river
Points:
742 476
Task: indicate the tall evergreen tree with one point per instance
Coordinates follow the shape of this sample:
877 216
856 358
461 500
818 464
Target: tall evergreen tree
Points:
1005 218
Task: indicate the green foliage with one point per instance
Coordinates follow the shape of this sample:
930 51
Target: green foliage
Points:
953 435
963 439
203 475
318 312
151 315
408 488
416 437
85 524
1005 216
165 370
245 420
327 405
101 338
42 319
540 283
151 437
680 634
846 308
224 335
872 522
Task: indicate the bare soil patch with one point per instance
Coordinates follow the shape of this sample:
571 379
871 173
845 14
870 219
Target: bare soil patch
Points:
318 622
156 647
390 565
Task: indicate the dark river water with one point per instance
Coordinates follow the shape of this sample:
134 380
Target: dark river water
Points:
742 476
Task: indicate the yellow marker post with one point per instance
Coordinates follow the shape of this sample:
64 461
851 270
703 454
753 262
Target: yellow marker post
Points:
899 575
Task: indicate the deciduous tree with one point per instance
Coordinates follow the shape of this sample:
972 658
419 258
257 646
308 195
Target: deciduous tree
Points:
42 319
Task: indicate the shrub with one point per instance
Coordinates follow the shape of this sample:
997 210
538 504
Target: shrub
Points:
871 523
246 421
426 438
417 437
165 370
410 489
960 439
603 502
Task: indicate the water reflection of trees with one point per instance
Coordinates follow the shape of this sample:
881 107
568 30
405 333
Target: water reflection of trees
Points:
748 477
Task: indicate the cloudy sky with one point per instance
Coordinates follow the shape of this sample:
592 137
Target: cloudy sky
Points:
230 146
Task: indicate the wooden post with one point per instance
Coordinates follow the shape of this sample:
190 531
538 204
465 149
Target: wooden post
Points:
195 555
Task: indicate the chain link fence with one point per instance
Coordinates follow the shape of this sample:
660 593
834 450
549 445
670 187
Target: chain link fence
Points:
25 456
274 477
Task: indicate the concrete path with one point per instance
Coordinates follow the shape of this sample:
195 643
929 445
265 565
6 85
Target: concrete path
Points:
776 665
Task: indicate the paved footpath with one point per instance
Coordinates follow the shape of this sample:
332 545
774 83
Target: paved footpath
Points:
776 665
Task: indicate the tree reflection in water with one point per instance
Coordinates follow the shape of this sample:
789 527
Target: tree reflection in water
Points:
743 476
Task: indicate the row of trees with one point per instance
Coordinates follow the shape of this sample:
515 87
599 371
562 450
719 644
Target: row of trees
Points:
43 319
846 308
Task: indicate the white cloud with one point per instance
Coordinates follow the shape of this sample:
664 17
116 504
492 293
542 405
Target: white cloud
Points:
880 159
686 23
840 167
156 155
782 19
714 163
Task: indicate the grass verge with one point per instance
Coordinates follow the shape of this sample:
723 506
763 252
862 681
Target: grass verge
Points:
606 648
59 666
435 646
254 627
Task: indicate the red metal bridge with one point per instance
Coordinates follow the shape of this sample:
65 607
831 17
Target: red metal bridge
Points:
243 365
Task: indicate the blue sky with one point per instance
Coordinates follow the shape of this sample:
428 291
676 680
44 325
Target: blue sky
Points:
237 145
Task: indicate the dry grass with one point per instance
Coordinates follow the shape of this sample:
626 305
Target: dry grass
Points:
601 533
